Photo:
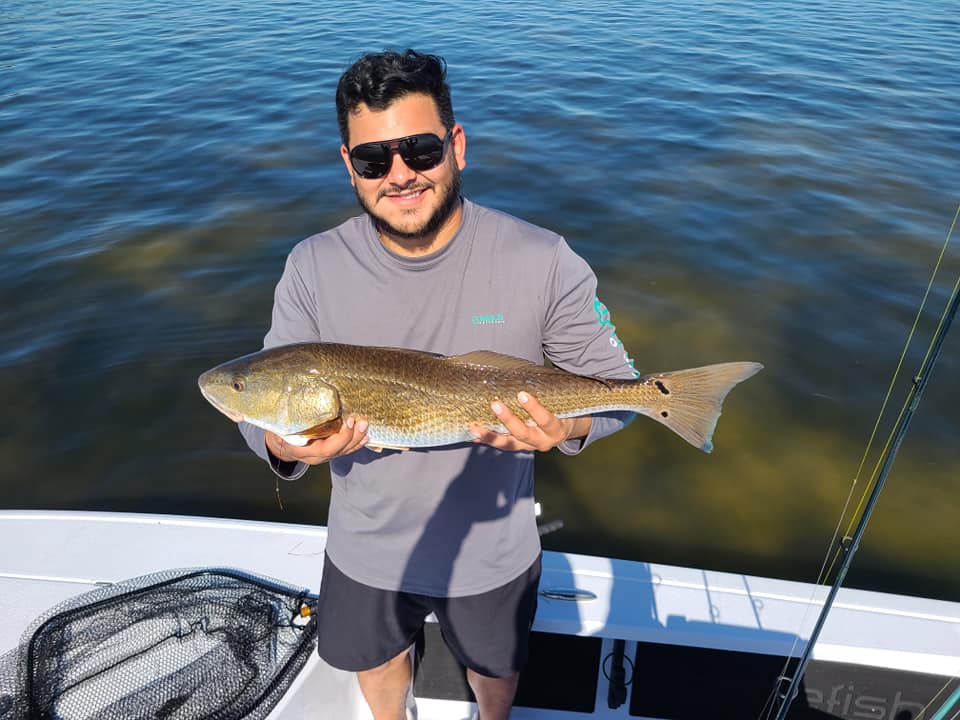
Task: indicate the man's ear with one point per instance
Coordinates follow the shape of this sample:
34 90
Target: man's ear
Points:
459 142
345 154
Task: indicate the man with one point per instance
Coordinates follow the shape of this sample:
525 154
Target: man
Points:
450 530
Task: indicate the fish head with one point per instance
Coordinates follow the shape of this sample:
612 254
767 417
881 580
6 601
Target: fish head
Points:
272 389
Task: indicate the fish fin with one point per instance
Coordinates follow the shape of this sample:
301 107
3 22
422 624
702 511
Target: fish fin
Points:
690 400
490 359
381 447
323 430
296 440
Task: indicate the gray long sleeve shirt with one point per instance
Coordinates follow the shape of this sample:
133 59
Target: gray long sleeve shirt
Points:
456 520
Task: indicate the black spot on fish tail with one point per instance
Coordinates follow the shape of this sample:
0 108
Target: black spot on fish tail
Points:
696 396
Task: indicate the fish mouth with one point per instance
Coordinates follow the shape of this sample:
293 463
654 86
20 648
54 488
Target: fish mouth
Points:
229 413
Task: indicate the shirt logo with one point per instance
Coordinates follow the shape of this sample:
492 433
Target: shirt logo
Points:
488 319
603 315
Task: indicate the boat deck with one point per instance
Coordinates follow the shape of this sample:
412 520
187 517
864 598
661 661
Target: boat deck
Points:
672 620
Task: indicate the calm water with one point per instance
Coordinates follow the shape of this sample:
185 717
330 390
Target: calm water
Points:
750 181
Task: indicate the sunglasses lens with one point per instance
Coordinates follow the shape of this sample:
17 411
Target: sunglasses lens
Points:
422 152
371 160
419 152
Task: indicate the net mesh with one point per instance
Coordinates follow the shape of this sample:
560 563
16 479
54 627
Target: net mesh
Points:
208 643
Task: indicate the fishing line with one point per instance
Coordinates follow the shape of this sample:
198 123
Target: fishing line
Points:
859 516
945 708
886 400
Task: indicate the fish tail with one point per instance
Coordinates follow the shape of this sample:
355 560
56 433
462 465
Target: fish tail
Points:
689 401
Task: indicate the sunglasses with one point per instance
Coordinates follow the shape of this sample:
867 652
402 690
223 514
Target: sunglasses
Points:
421 152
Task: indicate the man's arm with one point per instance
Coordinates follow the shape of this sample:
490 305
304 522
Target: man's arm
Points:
578 337
294 320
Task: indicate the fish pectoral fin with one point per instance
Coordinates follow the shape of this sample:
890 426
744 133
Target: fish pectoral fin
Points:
381 447
323 430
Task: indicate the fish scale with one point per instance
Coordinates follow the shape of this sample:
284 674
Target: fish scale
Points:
417 399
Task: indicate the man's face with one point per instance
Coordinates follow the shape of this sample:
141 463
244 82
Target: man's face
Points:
407 204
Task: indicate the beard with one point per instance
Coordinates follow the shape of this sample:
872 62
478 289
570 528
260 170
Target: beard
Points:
449 199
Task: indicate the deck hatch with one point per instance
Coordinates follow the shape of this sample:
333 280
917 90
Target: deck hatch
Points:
561 673
692 683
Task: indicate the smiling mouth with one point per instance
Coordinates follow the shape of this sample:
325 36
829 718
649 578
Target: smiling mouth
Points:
411 194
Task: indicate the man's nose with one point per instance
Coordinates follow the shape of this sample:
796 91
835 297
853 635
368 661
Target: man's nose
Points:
399 173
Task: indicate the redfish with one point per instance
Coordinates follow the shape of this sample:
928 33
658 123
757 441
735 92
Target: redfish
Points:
418 399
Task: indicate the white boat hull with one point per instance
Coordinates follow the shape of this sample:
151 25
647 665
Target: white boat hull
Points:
664 614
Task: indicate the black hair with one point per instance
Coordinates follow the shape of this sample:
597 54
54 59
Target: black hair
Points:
379 79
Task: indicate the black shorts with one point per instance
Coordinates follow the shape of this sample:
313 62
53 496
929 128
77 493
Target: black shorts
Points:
360 627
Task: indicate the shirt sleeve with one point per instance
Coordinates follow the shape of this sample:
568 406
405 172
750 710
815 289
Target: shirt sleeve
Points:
294 317
580 337
293 320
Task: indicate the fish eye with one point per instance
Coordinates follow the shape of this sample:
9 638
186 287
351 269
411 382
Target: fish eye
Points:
238 385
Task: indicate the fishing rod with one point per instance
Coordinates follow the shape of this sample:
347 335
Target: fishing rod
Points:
849 545
952 702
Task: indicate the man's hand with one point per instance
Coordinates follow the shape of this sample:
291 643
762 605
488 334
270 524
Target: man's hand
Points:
543 432
351 436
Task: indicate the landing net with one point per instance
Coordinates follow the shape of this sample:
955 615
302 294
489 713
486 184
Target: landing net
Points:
176 645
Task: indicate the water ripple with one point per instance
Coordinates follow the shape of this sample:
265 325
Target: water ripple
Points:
766 180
